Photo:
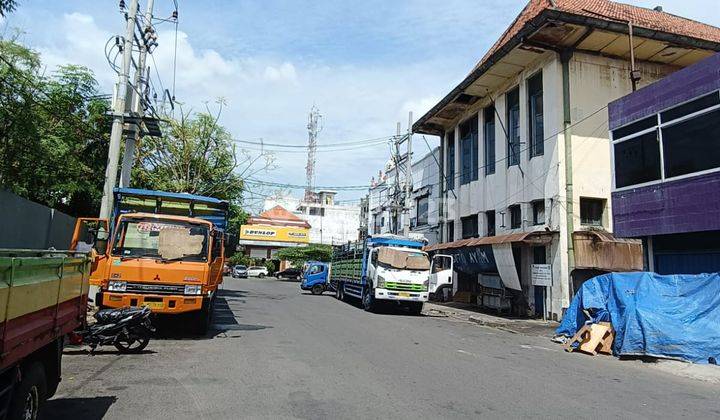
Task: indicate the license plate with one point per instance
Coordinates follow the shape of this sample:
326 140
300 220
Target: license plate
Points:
154 305
403 294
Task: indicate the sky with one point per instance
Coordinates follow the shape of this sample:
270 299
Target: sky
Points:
364 64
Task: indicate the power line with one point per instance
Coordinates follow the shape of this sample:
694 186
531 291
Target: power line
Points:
377 140
302 187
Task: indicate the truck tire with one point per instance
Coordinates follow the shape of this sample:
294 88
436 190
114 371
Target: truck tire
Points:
29 394
204 318
339 293
318 289
368 299
415 308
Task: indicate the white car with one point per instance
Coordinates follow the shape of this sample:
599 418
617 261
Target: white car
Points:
257 271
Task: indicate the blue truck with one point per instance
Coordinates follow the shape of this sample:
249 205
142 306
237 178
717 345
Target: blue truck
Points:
383 269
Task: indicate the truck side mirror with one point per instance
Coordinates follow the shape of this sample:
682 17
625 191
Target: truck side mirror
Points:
101 241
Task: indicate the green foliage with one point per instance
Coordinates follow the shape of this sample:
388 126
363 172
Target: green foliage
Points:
240 259
195 155
298 255
53 132
7 6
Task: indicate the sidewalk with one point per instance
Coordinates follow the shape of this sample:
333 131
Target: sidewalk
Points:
471 313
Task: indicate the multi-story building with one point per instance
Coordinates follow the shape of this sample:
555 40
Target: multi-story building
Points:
525 151
423 215
331 223
666 169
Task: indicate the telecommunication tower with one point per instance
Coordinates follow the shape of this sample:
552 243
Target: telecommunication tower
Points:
314 127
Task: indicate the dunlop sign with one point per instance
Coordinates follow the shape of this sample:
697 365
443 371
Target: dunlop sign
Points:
274 233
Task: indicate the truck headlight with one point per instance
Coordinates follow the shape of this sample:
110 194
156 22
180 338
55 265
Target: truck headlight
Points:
117 286
380 282
193 289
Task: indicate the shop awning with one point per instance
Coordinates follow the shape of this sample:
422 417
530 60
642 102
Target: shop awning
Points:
600 250
534 237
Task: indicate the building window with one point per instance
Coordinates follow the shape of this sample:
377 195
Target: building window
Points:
490 222
377 223
513 118
469 227
515 216
692 145
591 211
688 138
421 214
538 208
535 115
489 139
450 181
450 231
637 160
469 150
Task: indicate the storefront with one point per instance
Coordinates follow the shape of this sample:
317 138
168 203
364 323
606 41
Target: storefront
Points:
271 231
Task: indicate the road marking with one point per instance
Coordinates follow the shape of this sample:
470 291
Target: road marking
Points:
525 346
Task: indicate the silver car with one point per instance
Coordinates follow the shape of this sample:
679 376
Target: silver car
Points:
240 271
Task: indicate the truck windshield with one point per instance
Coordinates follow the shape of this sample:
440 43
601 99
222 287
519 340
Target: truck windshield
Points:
164 240
402 259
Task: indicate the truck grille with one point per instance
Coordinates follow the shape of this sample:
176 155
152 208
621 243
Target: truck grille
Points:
405 287
158 289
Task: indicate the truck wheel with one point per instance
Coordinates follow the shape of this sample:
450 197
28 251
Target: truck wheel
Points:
368 299
416 308
204 318
29 395
318 289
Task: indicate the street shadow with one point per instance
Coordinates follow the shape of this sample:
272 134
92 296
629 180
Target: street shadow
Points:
86 352
224 319
91 408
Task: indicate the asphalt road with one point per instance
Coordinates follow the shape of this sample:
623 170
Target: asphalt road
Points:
280 353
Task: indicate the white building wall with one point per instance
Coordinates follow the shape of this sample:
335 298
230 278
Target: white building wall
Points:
595 81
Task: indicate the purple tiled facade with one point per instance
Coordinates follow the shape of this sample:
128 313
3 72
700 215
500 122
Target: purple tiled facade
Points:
681 86
687 205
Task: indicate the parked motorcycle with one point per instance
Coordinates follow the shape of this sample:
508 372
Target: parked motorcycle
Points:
128 329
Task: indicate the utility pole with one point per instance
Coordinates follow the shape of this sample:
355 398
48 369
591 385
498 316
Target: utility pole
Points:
138 108
121 91
408 178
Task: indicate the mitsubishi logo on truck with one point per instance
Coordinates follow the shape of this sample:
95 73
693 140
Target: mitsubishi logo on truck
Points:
157 277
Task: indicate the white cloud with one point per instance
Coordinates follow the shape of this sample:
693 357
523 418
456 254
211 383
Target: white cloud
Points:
270 98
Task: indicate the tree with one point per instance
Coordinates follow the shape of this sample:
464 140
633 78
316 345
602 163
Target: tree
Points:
196 155
7 6
53 132
299 255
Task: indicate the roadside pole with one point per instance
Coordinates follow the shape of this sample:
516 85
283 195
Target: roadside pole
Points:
137 106
408 178
121 91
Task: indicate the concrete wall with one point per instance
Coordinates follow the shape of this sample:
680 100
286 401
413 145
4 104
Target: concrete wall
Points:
29 225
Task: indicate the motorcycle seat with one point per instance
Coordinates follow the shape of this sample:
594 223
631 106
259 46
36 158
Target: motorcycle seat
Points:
105 316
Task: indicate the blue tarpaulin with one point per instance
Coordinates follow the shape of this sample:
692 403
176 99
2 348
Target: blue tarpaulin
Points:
672 316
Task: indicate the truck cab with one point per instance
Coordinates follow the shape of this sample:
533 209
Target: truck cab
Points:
315 277
165 251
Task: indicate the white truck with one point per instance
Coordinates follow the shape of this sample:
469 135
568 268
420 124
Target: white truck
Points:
387 269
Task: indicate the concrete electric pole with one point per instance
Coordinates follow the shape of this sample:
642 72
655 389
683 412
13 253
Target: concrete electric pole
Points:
408 178
138 108
119 110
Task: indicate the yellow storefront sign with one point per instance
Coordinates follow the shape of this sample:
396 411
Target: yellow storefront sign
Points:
274 233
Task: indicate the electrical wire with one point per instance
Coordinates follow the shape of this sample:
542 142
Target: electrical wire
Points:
377 140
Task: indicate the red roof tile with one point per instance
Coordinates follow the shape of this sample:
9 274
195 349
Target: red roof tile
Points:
639 16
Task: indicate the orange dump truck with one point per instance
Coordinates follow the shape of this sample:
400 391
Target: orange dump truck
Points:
165 251
43 297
